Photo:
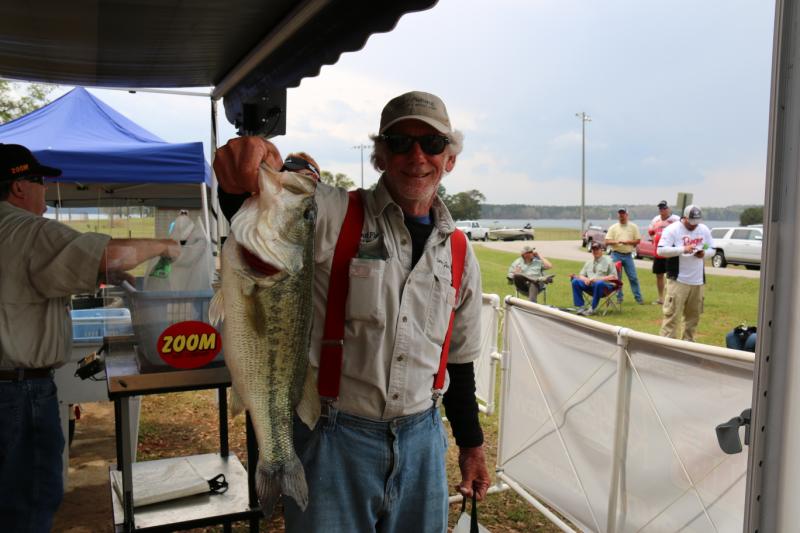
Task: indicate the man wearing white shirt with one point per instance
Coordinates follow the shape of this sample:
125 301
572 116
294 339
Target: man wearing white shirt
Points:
664 218
685 245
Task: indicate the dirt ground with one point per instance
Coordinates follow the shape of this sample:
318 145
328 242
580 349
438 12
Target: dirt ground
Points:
186 423
87 501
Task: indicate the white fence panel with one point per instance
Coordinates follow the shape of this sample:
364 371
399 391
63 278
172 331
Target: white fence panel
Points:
615 429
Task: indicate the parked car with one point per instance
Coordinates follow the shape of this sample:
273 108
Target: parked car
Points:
737 246
646 249
473 230
593 234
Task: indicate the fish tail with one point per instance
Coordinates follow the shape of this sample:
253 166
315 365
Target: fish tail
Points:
288 479
216 309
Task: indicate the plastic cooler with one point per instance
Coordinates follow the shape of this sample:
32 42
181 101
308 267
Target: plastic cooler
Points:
154 311
89 326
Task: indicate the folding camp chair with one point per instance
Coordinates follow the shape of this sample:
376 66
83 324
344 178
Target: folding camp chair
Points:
520 281
609 301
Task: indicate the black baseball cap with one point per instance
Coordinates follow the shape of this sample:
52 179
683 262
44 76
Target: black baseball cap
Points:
595 246
663 204
18 163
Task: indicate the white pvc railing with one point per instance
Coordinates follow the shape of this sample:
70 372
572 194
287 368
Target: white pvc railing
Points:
487 363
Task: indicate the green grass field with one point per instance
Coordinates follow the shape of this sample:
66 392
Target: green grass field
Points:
729 301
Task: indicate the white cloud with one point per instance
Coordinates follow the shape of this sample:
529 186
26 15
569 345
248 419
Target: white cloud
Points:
568 139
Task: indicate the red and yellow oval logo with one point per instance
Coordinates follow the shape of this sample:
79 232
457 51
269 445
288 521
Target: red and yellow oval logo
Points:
190 344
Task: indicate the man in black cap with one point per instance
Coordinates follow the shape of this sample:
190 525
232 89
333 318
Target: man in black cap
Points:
663 219
42 264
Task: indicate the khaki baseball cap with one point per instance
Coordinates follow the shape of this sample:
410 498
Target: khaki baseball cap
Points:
416 105
527 250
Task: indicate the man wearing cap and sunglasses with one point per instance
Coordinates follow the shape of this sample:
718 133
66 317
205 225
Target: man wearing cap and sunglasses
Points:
664 218
42 264
685 244
376 462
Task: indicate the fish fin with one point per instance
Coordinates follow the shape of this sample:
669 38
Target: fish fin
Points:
308 408
216 309
288 479
237 404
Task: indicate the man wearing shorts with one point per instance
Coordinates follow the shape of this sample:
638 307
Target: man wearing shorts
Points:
664 218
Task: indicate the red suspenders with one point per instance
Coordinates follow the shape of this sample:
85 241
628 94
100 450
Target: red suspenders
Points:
330 364
458 250
330 357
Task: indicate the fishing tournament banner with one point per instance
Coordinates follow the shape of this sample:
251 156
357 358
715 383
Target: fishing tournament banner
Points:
615 429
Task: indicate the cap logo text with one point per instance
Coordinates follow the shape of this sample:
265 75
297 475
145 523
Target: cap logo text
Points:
20 168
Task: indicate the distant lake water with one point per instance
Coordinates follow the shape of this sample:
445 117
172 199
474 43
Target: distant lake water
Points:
574 223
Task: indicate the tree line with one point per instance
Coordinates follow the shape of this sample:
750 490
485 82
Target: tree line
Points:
609 212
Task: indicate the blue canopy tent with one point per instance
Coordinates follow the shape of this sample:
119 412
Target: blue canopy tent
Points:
106 158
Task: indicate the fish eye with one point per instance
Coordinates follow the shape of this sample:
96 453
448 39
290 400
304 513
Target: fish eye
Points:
308 214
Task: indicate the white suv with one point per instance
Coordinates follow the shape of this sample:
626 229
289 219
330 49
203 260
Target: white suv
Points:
737 246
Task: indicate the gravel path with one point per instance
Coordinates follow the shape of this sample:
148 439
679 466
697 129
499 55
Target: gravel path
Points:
572 250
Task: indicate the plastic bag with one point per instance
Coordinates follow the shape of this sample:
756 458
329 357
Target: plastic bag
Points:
193 270
468 523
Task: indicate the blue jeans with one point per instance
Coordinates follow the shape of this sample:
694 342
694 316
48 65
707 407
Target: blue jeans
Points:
372 476
630 271
31 444
598 289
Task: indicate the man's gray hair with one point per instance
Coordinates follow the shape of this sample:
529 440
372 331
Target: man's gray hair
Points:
380 150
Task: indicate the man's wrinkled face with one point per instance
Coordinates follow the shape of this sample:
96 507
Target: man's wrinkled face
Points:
623 217
413 177
597 252
528 257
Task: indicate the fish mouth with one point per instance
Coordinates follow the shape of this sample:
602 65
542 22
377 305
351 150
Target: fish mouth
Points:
256 264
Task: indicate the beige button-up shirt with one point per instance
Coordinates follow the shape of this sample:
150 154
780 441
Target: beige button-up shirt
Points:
395 318
42 263
623 232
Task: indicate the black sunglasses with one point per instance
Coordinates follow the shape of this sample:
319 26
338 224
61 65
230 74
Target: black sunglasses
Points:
35 179
401 144
297 163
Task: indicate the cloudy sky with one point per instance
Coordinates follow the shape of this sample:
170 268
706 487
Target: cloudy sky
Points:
678 94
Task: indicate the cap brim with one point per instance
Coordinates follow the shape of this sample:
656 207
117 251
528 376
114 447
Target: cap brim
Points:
45 171
440 127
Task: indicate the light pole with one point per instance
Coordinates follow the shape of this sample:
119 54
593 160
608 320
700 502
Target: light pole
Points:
361 147
584 119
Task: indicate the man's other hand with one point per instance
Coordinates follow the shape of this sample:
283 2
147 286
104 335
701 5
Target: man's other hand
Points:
474 475
236 164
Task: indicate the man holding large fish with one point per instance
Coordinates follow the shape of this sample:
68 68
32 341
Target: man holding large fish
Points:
373 454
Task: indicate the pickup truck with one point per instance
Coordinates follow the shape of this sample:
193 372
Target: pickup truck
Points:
646 249
593 234
472 230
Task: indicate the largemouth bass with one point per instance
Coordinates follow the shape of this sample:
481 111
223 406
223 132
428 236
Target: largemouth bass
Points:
265 300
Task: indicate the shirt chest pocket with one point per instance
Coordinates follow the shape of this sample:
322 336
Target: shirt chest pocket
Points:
440 304
366 282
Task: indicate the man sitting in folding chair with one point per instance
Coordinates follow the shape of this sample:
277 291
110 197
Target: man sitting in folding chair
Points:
598 277
527 273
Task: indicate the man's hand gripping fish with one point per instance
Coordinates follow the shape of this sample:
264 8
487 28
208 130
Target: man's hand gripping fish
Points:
265 300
